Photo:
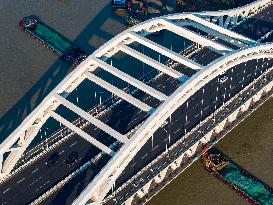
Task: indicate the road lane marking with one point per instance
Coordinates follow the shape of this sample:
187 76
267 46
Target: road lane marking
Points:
35 170
6 190
176 130
144 156
155 147
20 180
73 144
35 181
43 185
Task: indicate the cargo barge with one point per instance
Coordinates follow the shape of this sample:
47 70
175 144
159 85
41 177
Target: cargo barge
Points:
247 185
52 39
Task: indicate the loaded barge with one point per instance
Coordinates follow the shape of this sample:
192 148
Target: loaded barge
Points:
248 186
52 39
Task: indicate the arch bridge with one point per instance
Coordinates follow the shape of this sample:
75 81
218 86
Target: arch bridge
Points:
226 57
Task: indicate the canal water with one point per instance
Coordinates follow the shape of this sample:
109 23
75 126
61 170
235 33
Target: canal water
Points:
29 71
250 145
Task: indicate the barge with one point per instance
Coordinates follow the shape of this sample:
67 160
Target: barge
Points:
247 185
52 39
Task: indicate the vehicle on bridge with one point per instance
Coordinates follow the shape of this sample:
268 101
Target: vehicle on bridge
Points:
72 157
197 111
53 159
50 38
251 188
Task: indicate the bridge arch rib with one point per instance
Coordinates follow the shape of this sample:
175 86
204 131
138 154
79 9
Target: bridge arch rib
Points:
97 189
23 135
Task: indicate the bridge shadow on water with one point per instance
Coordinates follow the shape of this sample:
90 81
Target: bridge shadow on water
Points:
53 76
49 80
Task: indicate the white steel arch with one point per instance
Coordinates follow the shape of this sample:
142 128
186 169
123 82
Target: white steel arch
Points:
96 190
19 140
234 17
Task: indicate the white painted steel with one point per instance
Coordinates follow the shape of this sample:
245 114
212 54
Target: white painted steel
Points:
83 134
92 119
120 93
243 10
217 31
164 51
127 78
98 188
149 61
192 36
23 135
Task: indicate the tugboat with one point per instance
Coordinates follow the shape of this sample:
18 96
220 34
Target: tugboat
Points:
247 185
50 38
214 161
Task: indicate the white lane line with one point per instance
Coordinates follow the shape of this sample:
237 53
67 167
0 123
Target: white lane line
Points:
144 156
20 180
35 181
156 147
61 152
177 130
6 190
34 170
73 144
43 185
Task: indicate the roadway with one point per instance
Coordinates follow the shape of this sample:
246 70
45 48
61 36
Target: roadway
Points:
35 187
40 184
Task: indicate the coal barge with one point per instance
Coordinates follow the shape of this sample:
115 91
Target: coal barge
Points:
247 185
52 39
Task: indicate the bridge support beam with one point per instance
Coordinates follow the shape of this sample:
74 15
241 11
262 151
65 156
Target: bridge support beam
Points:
127 78
145 59
166 52
192 36
83 134
120 93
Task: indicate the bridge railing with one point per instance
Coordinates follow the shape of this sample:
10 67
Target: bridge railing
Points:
231 17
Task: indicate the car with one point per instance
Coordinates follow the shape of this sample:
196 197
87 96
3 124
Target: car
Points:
72 157
223 79
119 4
53 159
75 55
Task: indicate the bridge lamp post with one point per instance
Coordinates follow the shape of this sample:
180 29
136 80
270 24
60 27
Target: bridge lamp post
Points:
167 131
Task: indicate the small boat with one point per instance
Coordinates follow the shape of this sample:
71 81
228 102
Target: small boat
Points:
119 4
252 189
52 39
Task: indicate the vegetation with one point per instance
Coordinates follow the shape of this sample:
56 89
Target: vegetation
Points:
208 5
